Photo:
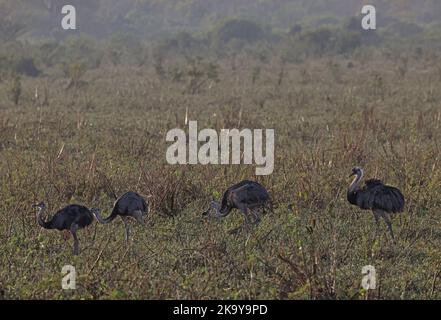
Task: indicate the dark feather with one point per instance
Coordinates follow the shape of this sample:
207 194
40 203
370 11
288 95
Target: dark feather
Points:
373 182
64 218
128 203
248 193
376 195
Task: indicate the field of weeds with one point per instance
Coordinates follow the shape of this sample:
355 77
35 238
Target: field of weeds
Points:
84 137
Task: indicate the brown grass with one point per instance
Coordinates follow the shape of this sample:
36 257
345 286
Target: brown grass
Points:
107 136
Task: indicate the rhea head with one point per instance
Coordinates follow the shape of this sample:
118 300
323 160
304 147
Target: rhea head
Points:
356 171
213 205
40 205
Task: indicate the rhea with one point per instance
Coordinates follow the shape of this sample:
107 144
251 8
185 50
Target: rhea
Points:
382 199
72 218
247 196
130 204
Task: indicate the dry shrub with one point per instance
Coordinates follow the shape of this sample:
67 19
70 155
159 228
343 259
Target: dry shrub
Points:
170 189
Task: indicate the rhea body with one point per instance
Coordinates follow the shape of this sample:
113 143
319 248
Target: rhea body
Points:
381 199
130 204
247 196
72 218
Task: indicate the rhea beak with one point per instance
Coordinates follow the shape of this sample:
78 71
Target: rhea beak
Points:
352 174
206 212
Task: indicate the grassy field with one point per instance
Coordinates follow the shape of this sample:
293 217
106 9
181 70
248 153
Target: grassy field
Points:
88 137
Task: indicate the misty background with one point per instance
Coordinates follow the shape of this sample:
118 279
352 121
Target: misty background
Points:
143 31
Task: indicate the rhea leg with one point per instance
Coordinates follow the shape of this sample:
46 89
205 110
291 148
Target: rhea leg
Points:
73 231
247 220
388 220
245 211
377 216
256 215
126 227
138 215
250 212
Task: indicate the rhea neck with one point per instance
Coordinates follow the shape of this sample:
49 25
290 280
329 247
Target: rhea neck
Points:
41 222
97 214
356 182
219 211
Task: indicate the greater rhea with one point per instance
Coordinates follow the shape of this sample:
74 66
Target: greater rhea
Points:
130 204
382 199
247 196
72 218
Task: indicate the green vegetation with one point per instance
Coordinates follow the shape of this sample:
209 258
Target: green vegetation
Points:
84 116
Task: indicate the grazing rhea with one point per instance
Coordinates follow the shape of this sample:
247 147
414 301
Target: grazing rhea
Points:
246 196
72 218
376 196
128 205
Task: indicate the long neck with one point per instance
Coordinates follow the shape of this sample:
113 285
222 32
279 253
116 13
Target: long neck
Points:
101 219
356 182
220 212
41 222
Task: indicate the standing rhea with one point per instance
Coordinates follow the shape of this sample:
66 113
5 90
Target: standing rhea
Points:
376 196
72 218
246 196
128 205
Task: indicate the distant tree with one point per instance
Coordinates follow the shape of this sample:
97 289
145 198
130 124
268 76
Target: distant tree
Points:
244 30
353 24
318 41
404 29
347 42
26 66
295 29
10 28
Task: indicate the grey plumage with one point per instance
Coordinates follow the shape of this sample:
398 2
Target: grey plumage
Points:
130 204
382 199
247 196
72 217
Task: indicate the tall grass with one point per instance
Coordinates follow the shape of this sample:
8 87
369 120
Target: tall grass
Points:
88 143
